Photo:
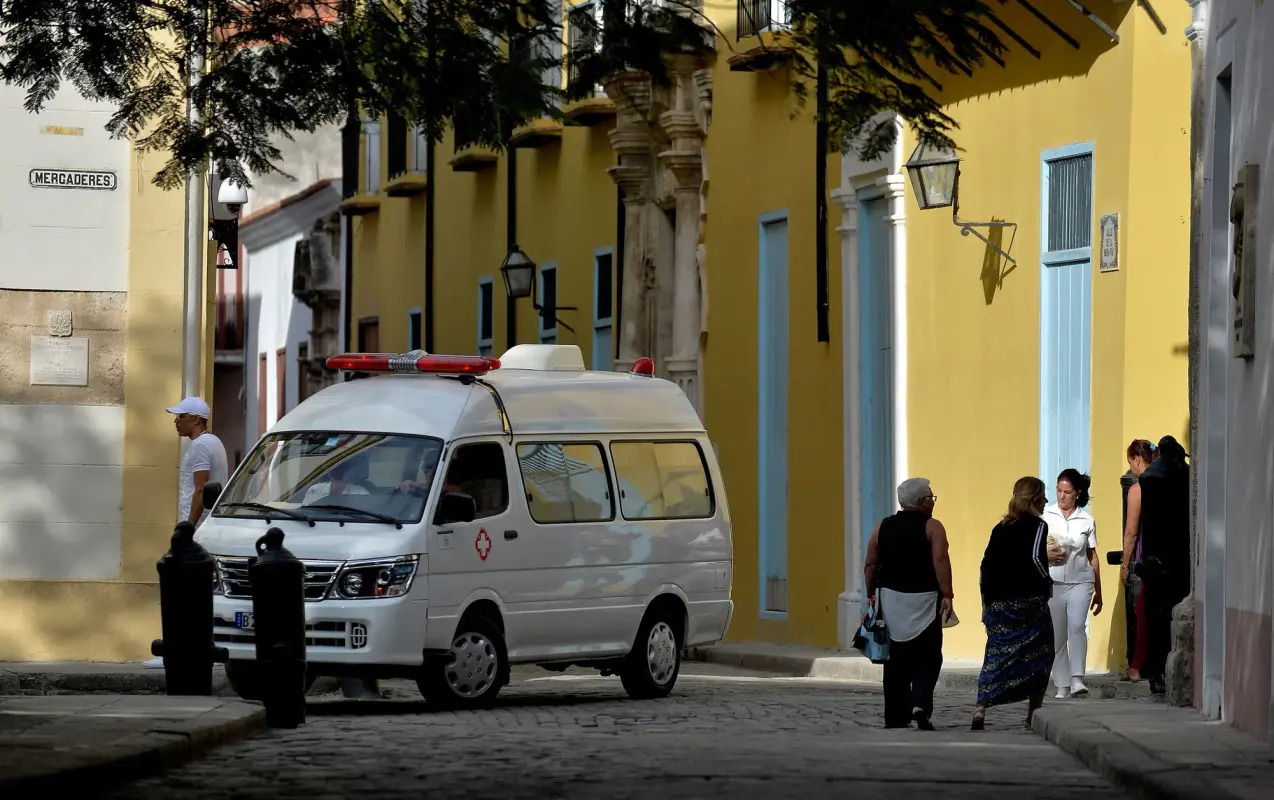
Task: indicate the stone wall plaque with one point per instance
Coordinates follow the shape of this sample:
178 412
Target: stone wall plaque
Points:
59 361
1109 242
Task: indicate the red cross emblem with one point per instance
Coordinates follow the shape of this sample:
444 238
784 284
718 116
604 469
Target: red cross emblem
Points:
482 544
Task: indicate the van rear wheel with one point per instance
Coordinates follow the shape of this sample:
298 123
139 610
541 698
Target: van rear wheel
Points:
472 674
655 661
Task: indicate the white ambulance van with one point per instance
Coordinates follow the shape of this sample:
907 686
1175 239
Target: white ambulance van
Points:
459 514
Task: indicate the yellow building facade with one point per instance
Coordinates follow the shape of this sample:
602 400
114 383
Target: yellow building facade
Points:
909 350
92 340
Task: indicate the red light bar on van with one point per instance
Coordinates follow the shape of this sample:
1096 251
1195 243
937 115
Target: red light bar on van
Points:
643 366
418 362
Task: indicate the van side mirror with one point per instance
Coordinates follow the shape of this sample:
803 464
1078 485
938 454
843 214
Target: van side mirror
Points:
211 492
455 507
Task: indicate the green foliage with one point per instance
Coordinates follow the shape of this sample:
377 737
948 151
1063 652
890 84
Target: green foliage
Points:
888 56
275 67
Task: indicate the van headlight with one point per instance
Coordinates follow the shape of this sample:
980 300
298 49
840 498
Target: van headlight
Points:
376 578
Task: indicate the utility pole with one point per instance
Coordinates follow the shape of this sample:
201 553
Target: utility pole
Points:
196 235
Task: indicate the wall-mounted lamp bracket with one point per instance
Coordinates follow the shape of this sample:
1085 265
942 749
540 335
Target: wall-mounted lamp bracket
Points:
547 313
935 175
967 227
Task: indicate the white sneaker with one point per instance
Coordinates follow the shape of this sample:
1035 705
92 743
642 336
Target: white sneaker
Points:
1062 693
154 663
1078 689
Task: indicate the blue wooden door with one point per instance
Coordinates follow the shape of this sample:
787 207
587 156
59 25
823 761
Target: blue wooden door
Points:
772 373
1066 311
875 360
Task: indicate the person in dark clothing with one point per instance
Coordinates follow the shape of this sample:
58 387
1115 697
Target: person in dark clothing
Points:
1141 454
1164 565
1016 588
908 562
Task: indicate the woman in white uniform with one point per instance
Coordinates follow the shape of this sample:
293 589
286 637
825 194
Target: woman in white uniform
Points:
1076 581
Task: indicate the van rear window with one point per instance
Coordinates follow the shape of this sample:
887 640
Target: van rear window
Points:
662 480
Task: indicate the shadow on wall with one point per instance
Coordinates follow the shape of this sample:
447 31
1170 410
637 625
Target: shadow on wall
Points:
85 586
995 267
1037 51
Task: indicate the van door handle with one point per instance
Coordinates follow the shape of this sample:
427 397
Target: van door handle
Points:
510 534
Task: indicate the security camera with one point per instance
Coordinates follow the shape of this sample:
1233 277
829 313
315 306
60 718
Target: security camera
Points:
233 196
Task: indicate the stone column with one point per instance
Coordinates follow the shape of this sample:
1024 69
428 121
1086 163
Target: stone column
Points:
633 331
632 142
849 603
684 126
1183 662
683 367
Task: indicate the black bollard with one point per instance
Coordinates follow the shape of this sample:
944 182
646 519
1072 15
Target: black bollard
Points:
278 608
186 584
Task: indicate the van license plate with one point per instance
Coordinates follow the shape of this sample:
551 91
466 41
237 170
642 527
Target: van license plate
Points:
243 620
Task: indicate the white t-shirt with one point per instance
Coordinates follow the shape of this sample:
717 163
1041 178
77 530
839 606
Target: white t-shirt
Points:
206 454
1076 534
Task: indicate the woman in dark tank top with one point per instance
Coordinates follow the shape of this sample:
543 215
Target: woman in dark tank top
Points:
908 563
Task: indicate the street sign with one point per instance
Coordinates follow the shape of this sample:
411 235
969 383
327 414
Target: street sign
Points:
92 179
1109 242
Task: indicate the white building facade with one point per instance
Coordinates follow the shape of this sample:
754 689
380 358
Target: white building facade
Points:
64 233
1234 451
278 334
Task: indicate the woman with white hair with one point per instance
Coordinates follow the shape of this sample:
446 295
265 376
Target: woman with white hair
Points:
908 562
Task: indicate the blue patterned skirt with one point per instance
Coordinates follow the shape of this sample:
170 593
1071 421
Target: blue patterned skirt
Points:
1019 651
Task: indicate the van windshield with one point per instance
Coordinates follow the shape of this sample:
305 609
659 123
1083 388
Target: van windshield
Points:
327 476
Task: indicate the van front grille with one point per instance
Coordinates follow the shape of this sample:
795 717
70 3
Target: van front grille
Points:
319 576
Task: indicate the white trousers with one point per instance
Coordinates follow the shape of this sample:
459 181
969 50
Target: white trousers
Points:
1069 606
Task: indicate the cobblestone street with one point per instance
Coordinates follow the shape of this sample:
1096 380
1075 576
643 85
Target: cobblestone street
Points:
723 733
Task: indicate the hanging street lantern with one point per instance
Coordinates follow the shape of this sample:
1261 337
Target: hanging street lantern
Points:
935 173
518 271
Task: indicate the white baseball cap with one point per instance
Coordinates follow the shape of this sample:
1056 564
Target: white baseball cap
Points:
194 406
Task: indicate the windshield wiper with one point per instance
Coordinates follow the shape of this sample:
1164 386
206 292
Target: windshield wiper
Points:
269 511
385 518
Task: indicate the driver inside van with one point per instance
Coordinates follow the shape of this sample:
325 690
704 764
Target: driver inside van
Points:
428 469
344 478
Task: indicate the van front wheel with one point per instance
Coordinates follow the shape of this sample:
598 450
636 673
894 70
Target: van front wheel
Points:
472 674
655 660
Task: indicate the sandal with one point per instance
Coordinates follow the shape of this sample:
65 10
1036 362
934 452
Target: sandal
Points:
922 720
1032 705
979 721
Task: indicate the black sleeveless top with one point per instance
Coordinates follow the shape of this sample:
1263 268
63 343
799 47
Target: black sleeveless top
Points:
904 555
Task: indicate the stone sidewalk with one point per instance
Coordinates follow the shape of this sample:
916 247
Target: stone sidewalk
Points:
88 677
1159 752
814 662
58 742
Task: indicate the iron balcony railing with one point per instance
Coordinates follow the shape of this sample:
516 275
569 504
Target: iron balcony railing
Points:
757 16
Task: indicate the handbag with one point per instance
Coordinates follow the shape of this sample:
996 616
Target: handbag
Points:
872 639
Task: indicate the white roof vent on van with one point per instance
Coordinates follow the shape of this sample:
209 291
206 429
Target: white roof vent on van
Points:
548 357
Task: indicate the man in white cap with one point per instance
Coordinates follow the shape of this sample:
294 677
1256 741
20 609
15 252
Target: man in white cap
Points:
205 460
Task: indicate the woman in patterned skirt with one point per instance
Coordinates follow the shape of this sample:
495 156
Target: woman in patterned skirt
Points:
1016 588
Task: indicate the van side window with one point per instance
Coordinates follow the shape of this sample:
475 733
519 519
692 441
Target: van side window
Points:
566 482
478 470
662 480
